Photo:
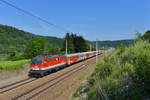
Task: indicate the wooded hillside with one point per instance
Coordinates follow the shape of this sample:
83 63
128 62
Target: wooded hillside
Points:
13 39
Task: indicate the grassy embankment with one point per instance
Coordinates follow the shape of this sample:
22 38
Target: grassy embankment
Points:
125 75
13 65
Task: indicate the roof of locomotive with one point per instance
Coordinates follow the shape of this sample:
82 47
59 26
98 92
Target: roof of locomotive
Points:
43 56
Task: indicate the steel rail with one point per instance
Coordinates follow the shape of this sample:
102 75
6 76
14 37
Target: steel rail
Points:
15 85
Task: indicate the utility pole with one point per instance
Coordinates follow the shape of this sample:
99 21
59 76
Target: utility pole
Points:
66 47
90 47
104 50
96 52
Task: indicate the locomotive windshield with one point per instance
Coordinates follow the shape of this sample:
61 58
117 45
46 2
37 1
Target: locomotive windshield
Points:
36 62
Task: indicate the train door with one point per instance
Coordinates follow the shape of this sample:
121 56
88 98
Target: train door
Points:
68 60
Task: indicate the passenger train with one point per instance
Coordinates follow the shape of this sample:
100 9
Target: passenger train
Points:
45 64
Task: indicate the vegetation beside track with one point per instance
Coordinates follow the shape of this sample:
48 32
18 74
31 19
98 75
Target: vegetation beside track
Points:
13 65
123 76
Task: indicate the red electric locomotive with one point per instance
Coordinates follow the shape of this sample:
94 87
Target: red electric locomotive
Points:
44 64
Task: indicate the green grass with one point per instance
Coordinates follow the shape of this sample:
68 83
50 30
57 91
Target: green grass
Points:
13 65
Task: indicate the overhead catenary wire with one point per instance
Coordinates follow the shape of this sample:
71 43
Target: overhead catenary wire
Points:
35 16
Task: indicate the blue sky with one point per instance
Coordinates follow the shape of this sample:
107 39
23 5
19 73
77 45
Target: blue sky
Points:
93 19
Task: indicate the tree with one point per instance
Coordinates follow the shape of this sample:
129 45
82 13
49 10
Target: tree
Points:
35 47
12 54
80 44
55 50
70 46
138 36
146 36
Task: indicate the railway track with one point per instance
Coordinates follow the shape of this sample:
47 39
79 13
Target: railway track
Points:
43 87
15 85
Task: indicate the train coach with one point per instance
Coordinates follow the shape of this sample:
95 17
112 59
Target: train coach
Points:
45 64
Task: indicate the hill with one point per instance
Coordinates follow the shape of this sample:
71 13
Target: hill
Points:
13 39
113 44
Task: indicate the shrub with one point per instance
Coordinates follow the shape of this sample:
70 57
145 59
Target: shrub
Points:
142 68
92 94
91 80
124 75
77 93
15 58
12 54
103 69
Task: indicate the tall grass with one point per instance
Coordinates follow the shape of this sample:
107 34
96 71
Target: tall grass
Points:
123 76
12 65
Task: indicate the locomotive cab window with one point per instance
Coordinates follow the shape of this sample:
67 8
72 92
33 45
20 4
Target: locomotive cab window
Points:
36 62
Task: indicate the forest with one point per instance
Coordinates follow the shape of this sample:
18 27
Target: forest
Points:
13 39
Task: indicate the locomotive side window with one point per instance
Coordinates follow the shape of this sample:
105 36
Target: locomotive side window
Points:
55 59
61 58
52 60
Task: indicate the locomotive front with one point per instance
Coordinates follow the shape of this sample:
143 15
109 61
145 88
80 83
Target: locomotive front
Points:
35 66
